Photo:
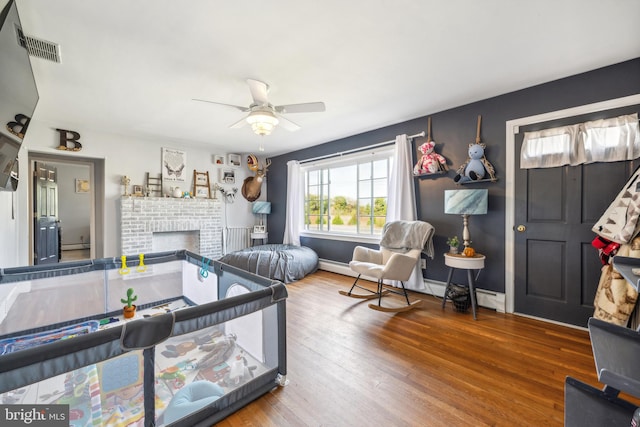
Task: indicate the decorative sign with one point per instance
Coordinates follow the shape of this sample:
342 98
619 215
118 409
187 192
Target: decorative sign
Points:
69 140
173 164
19 125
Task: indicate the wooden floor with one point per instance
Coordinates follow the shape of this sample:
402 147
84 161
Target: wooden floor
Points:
349 365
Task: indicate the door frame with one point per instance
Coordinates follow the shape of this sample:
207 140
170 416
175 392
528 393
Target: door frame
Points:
513 128
96 177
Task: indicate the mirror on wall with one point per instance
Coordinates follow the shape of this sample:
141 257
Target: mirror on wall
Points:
18 94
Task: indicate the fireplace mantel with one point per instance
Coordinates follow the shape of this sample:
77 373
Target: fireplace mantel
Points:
141 217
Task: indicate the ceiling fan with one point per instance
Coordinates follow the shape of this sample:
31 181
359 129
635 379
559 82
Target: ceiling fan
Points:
264 116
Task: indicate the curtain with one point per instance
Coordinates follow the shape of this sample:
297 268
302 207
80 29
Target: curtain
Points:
401 203
551 148
612 140
606 140
293 216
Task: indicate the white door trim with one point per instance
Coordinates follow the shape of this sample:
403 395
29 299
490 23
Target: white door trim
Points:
512 128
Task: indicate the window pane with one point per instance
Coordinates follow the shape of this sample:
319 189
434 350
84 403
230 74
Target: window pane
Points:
380 168
364 189
365 170
313 177
380 187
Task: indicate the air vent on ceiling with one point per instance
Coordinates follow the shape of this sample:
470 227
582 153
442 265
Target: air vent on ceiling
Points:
39 48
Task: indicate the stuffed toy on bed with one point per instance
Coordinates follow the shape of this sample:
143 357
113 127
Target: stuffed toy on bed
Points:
430 162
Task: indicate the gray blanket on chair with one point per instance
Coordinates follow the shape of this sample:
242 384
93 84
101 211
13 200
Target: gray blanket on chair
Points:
406 235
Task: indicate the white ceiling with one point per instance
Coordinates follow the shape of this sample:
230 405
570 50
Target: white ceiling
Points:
132 67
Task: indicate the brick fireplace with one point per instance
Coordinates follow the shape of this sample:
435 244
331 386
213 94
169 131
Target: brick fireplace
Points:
159 222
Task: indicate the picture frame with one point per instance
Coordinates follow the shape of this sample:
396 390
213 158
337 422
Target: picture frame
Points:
174 163
259 229
235 160
218 160
201 193
138 191
201 185
82 186
227 176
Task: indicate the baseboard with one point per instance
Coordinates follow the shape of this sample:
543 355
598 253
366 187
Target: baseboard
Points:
488 299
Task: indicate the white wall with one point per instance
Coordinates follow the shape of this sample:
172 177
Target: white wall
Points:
123 155
74 209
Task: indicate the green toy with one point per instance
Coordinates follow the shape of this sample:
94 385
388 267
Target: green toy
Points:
130 298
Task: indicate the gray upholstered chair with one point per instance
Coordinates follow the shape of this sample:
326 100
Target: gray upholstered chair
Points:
400 248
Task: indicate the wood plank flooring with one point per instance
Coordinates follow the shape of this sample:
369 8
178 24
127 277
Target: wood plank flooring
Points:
349 365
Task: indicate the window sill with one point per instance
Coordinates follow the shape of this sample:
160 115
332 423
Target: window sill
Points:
375 239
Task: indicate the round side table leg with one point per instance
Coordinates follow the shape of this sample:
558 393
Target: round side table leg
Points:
472 292
446 288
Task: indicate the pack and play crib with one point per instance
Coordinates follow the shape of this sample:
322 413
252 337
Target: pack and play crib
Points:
207 338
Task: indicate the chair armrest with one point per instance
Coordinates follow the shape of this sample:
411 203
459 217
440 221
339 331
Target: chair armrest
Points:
400 266
363 254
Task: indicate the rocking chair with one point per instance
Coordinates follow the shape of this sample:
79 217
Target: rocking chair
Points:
400 248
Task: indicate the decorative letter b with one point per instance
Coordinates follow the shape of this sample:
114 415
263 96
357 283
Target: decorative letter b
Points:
69 136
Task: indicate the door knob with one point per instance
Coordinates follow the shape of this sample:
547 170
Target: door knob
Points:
521 228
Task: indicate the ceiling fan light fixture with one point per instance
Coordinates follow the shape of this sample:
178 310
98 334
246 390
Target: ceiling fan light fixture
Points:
262 121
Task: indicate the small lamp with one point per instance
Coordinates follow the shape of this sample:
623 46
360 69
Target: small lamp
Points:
261 208
465 203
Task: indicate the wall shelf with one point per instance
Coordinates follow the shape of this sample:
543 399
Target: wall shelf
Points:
430 175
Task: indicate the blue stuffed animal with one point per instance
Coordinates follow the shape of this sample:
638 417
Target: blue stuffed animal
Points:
476 167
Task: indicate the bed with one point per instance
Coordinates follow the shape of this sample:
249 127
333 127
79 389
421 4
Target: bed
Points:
286 263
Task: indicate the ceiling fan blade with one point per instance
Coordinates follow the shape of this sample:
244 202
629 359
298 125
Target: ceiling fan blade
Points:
287 124
258 91
308 107
240 123
243 109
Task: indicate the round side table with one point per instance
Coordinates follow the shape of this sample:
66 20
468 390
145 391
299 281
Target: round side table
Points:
469 263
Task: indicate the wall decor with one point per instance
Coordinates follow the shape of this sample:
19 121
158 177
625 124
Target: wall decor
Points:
227 176
174 163
153 185
69 137
252 185
201 185
476 168
218 160
82 186
429 162
235 160
19 125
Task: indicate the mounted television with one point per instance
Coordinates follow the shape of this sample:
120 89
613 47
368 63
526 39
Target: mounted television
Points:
18 94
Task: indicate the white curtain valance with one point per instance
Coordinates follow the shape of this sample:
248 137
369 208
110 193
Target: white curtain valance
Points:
606 140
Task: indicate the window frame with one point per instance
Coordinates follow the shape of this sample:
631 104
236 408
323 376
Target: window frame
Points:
356 159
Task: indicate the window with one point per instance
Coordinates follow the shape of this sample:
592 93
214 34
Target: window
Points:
606 140
348 195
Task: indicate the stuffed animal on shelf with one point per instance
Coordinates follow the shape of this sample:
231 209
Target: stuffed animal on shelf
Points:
430 162
477 167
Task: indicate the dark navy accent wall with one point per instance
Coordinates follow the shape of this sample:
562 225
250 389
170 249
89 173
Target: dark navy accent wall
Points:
453 130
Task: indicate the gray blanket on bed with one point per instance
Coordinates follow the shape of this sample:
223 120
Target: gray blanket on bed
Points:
286 263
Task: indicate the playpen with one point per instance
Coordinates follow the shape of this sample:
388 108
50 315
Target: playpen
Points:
207 339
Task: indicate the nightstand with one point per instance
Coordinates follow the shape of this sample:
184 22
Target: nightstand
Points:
469 263
259 236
